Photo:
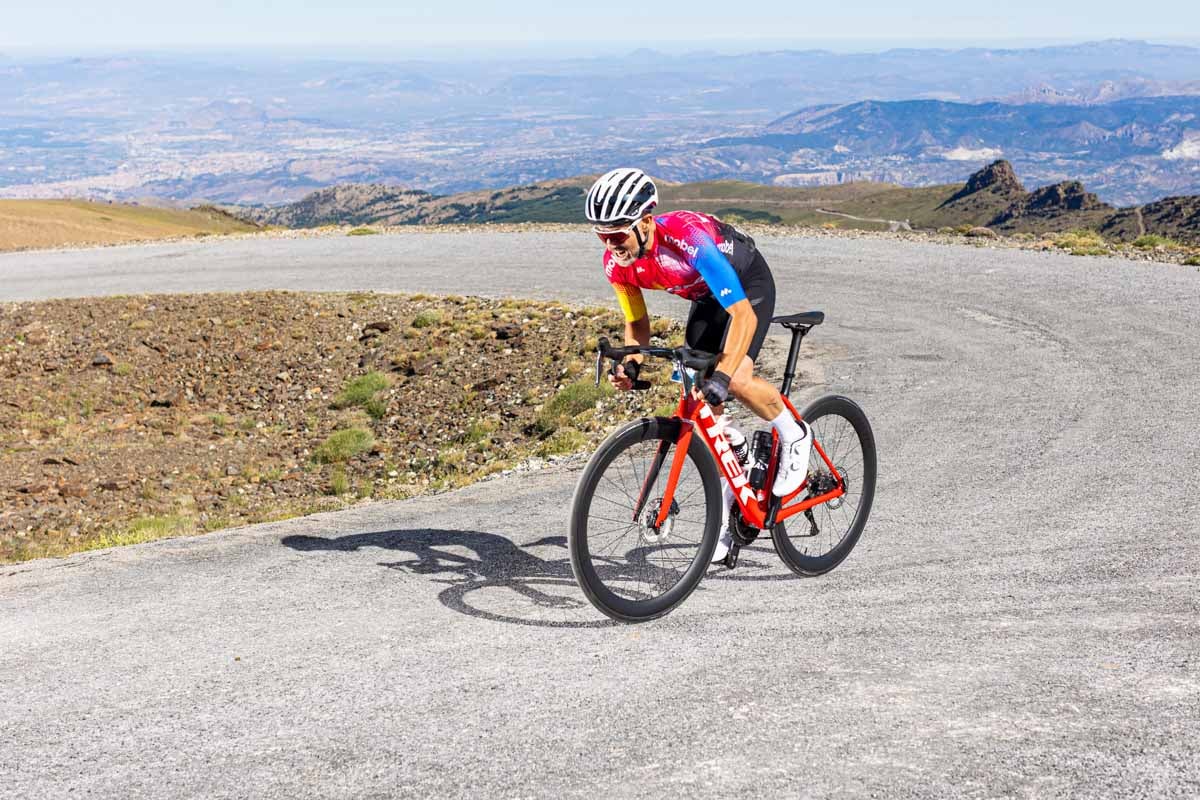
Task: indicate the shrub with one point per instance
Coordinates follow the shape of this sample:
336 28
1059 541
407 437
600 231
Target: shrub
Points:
666 409
360 391
451 457
427 318
565 440
479 430
376 407
343 446
571 400
362 232
339 484
144 529
1152 240
1192 261
1082 243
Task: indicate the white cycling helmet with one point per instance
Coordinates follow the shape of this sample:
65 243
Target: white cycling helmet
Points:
623 195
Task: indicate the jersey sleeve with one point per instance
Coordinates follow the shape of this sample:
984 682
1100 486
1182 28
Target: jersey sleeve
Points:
633 305
715 268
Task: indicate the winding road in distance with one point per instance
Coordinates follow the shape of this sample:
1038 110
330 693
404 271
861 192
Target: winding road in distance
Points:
1021 618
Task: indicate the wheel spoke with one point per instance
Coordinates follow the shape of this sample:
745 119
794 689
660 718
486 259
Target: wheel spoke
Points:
839 521
633 568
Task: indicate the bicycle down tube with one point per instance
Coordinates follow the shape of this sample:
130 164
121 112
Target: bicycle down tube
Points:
757 505
695 414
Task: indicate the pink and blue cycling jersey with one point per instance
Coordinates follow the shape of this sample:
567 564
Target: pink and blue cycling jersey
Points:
694 256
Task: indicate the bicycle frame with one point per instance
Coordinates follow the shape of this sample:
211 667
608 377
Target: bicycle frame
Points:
759 507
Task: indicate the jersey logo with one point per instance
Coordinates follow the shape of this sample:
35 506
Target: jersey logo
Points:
726 291
680 244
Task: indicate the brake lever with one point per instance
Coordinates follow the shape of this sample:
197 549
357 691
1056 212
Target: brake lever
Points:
601 346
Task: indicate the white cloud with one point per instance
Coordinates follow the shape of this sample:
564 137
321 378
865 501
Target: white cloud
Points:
967 154
1188 149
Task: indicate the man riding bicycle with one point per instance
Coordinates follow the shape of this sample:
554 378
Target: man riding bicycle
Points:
720 270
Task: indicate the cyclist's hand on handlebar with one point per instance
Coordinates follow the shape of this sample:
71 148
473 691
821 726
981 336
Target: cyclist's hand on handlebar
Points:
620 381
716 389
623 375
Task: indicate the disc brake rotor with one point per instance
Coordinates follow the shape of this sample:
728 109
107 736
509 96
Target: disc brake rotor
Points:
824 483
650 533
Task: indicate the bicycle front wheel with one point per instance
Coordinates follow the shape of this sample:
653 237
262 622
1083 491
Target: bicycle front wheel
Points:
816 542
629 569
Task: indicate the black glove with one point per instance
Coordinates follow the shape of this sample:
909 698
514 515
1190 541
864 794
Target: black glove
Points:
632 369
716 388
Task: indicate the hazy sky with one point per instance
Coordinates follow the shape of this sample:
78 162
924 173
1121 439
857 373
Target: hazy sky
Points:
554 25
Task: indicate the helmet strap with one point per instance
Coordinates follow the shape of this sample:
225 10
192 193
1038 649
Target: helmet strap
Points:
641 240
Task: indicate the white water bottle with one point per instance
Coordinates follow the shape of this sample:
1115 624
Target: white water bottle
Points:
737 439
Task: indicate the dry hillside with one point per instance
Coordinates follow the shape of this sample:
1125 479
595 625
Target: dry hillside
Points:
40 224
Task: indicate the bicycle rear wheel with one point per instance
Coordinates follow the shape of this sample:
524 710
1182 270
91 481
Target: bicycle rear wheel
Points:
629 570
819 541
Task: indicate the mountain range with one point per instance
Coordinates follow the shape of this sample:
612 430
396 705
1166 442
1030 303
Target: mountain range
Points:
255 128
992 197
1128 151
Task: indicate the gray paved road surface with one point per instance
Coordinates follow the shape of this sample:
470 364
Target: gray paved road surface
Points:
1021 618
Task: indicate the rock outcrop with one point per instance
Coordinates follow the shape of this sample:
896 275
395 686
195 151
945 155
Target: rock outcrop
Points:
999 177
1050 203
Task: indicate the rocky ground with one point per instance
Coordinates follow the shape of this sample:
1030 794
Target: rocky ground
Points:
130 418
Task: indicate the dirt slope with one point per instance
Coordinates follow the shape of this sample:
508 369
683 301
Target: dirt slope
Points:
39 224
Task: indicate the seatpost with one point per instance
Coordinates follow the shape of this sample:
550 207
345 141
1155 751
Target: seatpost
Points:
789 371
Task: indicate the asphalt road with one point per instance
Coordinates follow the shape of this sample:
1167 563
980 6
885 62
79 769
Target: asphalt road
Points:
1021 618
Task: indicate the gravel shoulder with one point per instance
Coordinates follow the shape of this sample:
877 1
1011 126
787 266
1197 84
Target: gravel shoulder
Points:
1020 619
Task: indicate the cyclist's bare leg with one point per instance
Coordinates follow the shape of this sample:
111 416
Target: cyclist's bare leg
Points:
755 393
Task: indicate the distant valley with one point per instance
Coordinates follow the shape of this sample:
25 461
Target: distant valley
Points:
1120 116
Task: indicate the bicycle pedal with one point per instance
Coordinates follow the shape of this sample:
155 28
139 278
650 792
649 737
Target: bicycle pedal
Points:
731 558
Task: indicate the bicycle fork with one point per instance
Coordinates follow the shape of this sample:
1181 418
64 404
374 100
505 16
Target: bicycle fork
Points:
667 505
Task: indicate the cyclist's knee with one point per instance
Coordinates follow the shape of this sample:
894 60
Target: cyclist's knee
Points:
742 377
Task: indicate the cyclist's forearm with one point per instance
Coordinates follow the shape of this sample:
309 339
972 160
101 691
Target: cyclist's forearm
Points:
638 333
742 324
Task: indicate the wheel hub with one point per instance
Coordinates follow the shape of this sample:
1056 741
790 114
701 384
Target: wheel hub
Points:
652 534
824 483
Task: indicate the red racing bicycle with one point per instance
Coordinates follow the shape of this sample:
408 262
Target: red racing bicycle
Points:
647 510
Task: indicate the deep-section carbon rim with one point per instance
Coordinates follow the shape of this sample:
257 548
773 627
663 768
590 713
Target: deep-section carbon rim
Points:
627 568
815 546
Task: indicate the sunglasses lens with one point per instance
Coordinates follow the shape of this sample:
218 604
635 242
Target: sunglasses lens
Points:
618 235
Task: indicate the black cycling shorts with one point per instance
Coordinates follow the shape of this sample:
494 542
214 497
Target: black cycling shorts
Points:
708 322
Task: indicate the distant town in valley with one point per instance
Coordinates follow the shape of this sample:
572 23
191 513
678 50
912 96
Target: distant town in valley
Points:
1121 117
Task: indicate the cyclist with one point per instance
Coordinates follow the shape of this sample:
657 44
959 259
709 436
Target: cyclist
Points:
719 269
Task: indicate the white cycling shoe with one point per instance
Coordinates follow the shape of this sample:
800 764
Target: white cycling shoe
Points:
793 465
725 540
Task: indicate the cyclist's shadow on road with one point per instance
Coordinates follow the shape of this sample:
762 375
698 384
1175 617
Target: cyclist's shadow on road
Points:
489 576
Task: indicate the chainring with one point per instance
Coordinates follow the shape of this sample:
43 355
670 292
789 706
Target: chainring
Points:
742 532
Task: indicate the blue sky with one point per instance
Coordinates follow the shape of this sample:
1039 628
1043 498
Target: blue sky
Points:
553 26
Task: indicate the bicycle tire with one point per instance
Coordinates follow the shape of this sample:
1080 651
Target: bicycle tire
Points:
601 573
802 553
